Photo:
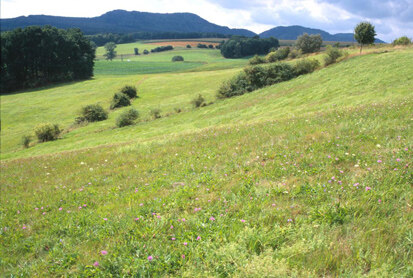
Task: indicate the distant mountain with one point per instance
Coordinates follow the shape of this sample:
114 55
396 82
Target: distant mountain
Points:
120 21
292 32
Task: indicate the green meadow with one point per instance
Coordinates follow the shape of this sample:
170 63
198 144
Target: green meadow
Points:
307 178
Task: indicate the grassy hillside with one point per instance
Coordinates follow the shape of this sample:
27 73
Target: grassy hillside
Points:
307 178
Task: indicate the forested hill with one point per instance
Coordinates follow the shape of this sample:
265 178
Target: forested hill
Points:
120 21
292 32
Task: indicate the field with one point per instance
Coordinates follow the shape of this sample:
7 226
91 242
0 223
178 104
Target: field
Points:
307 178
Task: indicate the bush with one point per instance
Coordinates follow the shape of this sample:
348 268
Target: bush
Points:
156 113
92 113
136 50
162 48
47 132
333 54
119 100
177 59
201 45
188 46
198 101
127 118
253 78
278 55
306 66
256 60
211 46
294 53
402 41
130 91
309 44
26 139
145 52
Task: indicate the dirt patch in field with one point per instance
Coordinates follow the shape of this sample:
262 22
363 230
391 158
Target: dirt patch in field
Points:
183 43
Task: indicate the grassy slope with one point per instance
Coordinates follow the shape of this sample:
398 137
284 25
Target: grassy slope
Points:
268 158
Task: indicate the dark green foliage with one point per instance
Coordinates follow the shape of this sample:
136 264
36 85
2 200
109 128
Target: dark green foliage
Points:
119 100
26 139
177 59
156 113
130 91
253 78
47 132
256 60
332 54
364 33
201 45
238 47
198 101
127 118
92 113
211 46
145 52
36 56
309 43
188 46
402 41
306 66
110 51
162 48
278 55
136 50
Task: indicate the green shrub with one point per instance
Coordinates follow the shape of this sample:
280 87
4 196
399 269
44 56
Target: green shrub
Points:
26 139
332 54
92 113
47 132
278 55
178 110
177 59
188 46
309 43
145 52
253 78
127 118
130 91
156 113
119 100
306 66
198 101
256 60
402 41
294 53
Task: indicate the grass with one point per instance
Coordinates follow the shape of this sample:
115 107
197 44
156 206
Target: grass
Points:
306 178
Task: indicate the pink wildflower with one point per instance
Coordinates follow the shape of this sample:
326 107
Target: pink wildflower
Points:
150 258
104 252
96 264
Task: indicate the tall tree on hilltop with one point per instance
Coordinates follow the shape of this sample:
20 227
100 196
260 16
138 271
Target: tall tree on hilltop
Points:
364 33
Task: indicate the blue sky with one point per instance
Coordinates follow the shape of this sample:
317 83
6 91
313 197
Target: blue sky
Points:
392 18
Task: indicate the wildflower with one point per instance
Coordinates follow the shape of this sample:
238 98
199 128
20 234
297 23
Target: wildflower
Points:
398 159
183 256
96 264
105 219
60 208
198 238
150 258
172 227
368 188
183 219
84 205
24 227
185 243
104 252
137 218
273 205
212 218
289 220
173 239
242 220
379 161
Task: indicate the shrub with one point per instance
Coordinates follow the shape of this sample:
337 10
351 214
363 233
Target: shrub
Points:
145 52
26 139
234 87
278 55
119 100
256 60
127 118
92 113
309 43
162 48
332 54
130 91
306 66
294 53
47 132
211 46
177 59
136 50
188 46
198 101
201 45
402 41
156 113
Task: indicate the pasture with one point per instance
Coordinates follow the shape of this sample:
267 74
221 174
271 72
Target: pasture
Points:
307 178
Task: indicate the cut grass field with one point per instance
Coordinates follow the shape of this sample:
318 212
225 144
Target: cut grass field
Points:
306 178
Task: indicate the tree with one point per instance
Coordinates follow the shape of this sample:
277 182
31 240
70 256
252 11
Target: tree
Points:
309 43
110 51
402 41
364 33
136 51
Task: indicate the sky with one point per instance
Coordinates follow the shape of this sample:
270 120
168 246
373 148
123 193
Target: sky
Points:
391 18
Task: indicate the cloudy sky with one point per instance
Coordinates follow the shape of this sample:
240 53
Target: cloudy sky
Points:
392 18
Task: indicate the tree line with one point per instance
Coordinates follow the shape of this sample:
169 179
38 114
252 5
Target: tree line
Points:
36 56
238 47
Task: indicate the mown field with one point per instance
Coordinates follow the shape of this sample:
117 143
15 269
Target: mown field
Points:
307 178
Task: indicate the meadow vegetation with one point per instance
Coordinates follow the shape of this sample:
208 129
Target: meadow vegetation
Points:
307 177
